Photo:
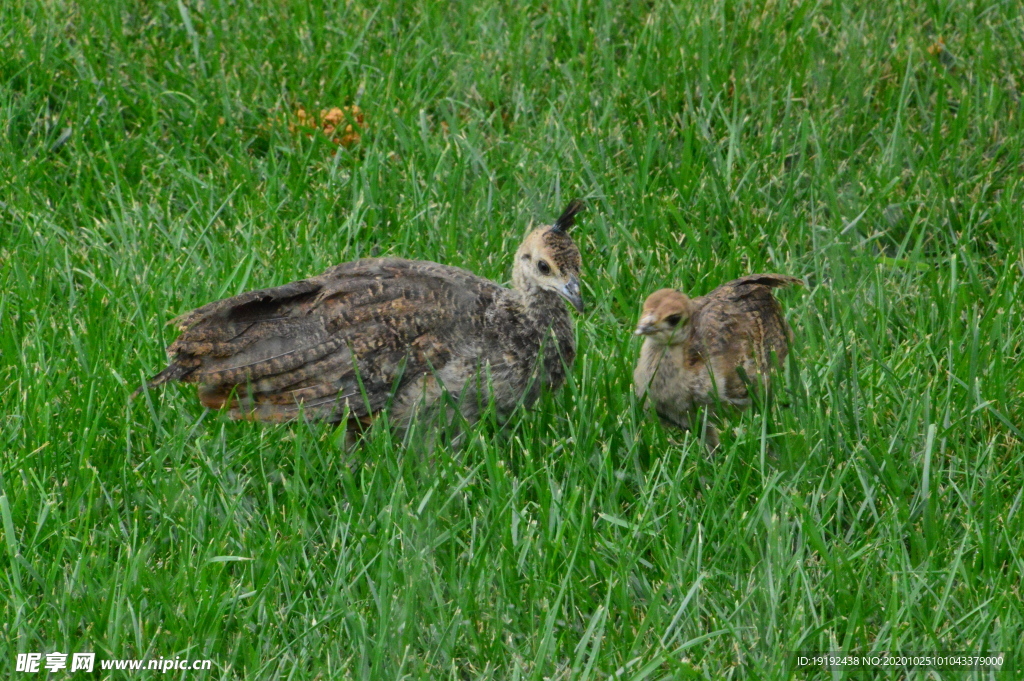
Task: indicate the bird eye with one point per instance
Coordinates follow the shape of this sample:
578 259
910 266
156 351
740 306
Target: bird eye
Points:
673 319
544 267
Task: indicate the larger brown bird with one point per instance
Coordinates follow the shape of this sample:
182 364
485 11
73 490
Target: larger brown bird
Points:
385 332
710 350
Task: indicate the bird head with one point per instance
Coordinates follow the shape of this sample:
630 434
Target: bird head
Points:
549 260
664 317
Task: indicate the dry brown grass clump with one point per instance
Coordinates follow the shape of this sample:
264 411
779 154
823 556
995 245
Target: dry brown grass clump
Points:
342 125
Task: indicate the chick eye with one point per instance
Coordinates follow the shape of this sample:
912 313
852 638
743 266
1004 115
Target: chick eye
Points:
673 319
543 267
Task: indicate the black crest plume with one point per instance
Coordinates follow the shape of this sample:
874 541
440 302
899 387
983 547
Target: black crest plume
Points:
568 217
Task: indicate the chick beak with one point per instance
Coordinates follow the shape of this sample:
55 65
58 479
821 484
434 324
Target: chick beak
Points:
645 327
571 292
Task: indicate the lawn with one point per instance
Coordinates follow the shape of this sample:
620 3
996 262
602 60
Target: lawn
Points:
153 158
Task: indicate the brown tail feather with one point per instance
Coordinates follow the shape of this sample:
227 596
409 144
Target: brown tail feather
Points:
175 372
769 280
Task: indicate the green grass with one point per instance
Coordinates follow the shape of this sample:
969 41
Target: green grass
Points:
146 168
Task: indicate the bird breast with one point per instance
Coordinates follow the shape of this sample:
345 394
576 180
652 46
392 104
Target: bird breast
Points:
671 375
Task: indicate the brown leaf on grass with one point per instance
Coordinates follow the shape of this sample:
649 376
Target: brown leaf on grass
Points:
342 125
939 50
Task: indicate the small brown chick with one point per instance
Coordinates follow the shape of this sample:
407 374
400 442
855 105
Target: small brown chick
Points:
382 332
710 349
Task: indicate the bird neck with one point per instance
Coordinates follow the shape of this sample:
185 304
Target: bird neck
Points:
541 301
680 340
654 355
519 280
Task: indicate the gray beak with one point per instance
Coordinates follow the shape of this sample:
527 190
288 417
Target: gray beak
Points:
571 292
644 327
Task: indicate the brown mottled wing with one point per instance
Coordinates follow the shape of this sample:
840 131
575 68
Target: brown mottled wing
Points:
742 318
354 334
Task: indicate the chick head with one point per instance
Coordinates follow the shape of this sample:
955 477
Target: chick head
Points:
548 259
665 314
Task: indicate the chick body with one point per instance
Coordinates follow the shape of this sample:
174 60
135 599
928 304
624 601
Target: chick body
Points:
710 351
388 332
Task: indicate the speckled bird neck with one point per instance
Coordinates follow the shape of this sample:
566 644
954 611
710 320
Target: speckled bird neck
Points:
543 303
